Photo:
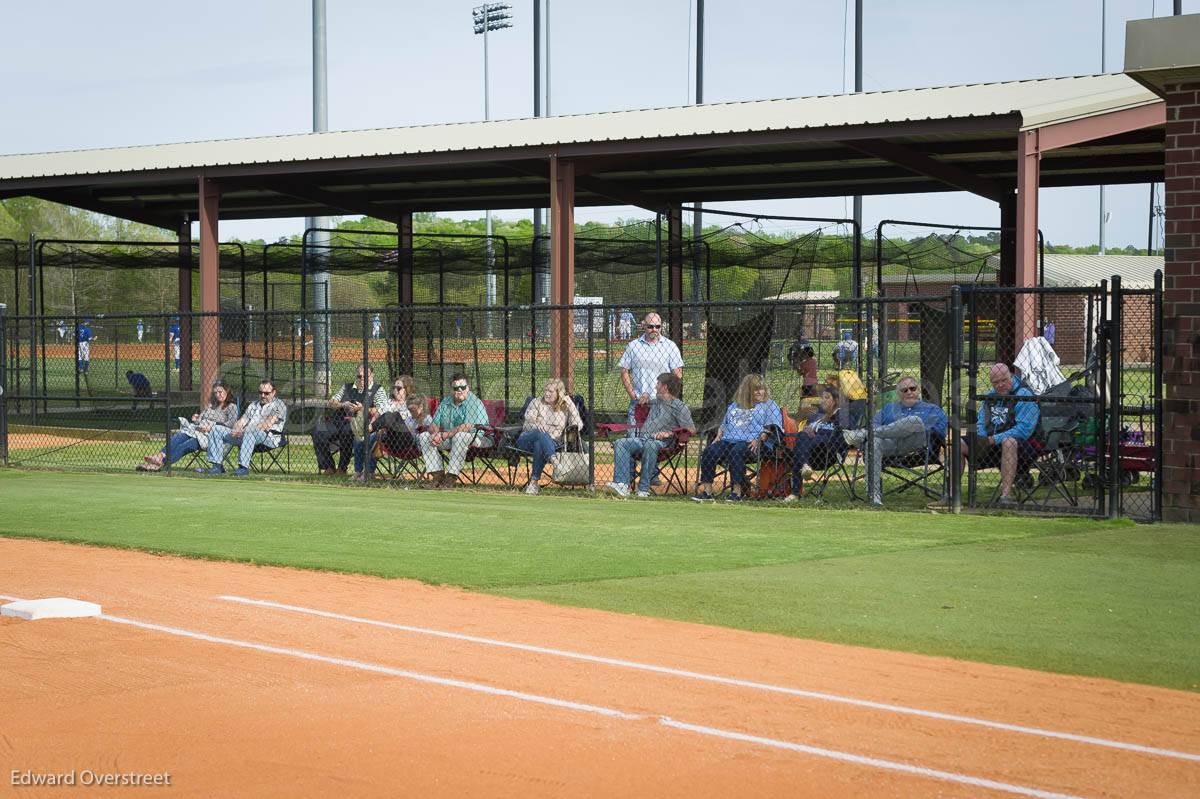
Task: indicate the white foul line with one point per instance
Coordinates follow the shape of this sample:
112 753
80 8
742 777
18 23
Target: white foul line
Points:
665 721
871 762
713 678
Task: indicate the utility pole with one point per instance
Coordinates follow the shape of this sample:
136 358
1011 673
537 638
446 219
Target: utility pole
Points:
1103 68
697 216
319 242
485 18
856 291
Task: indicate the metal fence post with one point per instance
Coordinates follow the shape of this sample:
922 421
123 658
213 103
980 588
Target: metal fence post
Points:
167 363
591 375
954 466
33 322
972 378
1157 494
874 383
3 384
1116 360
1102 370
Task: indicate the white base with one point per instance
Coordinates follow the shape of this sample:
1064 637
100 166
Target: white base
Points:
53 608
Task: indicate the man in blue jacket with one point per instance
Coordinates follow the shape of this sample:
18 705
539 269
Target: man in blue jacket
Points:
909 425
1004 430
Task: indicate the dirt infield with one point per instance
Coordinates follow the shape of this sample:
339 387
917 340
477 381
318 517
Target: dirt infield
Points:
448 693
22 441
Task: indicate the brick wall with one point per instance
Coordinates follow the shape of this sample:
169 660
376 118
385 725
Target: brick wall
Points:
1180 471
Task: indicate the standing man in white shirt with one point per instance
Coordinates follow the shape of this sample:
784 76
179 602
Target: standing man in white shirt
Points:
644 360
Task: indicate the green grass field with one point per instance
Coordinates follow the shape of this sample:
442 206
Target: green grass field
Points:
1069 595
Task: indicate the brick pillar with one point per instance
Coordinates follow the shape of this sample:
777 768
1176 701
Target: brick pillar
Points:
1180 471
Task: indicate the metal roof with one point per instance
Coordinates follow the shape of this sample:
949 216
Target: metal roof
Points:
1136 271
809 146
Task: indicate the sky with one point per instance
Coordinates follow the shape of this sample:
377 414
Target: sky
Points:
81 75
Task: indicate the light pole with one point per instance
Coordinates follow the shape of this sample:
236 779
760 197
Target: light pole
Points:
490 17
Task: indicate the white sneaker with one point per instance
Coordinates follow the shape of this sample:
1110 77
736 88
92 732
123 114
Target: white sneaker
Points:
790 498
531 488
621 491
855 438
643 494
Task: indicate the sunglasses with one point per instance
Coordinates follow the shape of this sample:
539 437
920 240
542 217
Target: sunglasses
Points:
908 388
653 327
397 388
460 387
266 393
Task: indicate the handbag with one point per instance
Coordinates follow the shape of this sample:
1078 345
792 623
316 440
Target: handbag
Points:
571 469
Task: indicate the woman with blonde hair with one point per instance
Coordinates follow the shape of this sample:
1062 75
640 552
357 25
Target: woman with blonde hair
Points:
546 420
743 434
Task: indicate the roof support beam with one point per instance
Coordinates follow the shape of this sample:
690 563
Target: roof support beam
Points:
210 287
562 268
350 202
1078 131
95 206
623 195
922 164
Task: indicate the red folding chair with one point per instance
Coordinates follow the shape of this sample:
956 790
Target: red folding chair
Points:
492 458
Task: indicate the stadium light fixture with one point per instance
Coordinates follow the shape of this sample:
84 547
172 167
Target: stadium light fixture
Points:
485 18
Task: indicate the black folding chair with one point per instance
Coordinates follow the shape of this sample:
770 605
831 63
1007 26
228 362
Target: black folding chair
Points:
914 469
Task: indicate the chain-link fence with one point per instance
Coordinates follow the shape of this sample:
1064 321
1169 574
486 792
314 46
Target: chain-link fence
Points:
816 401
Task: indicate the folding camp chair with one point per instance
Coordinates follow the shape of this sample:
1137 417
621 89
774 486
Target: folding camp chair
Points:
830 466
672 473
571 440
491 458
914 469
398 460
264 459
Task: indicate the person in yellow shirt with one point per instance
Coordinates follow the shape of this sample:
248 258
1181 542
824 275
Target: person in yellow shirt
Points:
854 393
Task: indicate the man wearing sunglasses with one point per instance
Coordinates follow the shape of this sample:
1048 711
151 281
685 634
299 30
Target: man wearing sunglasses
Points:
644 360
454 431
908 425
262 423
334 432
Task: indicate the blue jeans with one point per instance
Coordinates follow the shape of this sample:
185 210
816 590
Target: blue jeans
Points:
358 454
625 450
179 445
220 439
818 451
732 453
541 445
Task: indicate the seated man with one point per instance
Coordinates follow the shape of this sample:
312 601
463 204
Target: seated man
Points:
453 430
1003 431
262 423
667 413
905 426
140 385
335 431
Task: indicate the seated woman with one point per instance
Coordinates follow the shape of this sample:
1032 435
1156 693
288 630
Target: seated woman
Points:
396 421
742 434
546 419
820 443
221 411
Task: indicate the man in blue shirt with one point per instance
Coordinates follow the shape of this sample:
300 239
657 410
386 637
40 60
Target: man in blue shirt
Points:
454 429
1004 430
174 336
909 425
83 340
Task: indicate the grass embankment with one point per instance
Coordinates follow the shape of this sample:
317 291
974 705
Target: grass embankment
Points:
1070 595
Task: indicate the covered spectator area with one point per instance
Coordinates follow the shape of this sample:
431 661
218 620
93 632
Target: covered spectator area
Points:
1000 141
